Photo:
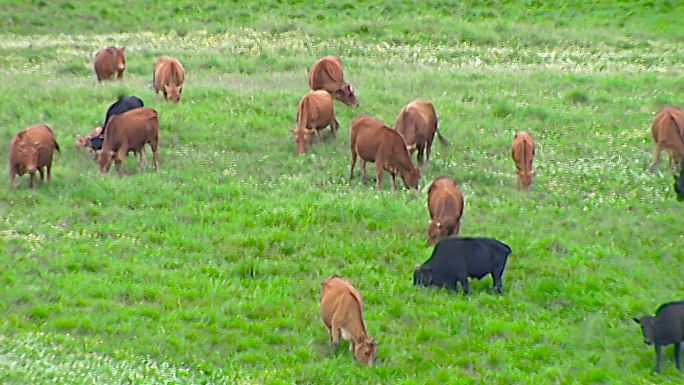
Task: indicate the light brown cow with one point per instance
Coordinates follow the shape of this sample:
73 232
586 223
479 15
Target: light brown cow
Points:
110 62
522 152
668 135
373 141
314 113
168 77
327 74
342 313
417 123
30 151
445 204
129 132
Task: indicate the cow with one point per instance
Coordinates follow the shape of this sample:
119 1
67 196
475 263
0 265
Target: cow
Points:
96 137
668 135
327 74
522 152
417 122
314 113
128 132
456 259
168 77
445 204
679 184
31 150
109 62
667 327
373 141
342 313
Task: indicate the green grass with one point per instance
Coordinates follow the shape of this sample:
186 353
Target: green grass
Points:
208 271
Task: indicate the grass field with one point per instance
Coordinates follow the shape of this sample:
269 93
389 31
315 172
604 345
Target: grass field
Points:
208 271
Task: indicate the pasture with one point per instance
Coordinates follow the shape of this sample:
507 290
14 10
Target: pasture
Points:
208 271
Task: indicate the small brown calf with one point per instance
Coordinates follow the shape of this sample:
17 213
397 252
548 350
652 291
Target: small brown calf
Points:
522 152
31 150
314 113
445 204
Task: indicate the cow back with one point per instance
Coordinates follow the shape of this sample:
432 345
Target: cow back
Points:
417 122
315 110
338 292
445 201
168 71
135 128
326 74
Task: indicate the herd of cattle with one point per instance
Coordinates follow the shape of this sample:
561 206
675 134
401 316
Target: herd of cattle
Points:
128 126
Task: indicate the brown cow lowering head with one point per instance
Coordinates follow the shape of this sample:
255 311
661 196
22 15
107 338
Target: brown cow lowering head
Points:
365 350
29 154
302 137
346 95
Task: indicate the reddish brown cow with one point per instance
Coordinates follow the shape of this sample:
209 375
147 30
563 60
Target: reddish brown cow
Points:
168 77
327 74
417 123
30 151
109 61
522 151
373 141
129 132
668 135
314 113
445 204
342 313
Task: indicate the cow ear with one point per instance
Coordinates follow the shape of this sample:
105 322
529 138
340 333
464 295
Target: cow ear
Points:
123 49
637 320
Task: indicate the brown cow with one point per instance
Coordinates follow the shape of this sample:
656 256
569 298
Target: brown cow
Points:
342 313
314 113
168 77
522 151
445 204
128 132
668 134
108 62
417 123
327 74
30 151
373 141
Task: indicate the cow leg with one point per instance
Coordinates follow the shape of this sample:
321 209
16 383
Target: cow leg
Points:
677 348
656 158
334 126
498 286
49 173
42 175
143 159
364 172
428 148
658 354
353 163
394 180
335 334
119 158
155 154
421 151
13 178
378 173
464 284
31 175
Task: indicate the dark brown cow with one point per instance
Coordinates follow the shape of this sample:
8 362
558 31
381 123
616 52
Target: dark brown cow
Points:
373 141
327 74
168 77
445 204
314 113
668 135
30 151
129 132
417 123
522 151
109 62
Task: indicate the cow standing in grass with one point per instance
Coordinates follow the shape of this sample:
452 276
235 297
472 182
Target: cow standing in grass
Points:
327 74
129 132
417 123
667 327
168 77
445 204
110 62
522 152
668 135
314 113
31 150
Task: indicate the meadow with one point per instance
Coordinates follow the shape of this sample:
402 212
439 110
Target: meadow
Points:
208 271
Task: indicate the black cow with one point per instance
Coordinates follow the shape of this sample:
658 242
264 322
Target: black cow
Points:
679 184
123 104
456 259
667 327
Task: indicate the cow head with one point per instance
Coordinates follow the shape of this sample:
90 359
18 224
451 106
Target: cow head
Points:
302 137
365 350
421 276
436 231
346 95
173 93
679 183
411 177
525 179
29 153
104 159
120 59
647 328
80 141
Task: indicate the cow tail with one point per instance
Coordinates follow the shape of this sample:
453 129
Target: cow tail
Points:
56 145
441 137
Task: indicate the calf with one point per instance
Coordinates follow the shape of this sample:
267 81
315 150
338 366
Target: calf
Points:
456 259
445 204
127 132
417 122
679 184
314 113
327 74
30 151
168 77
373 141
522 152
667 327
668 135
109 62
96 137
342 313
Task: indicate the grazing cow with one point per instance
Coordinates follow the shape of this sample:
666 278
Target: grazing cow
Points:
110 61
96 137
30 151
327 74
456 259
373 141
314 113
667 327
522 151
679 184
417 122
668 135
342 313
168 77
445 204
128 132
